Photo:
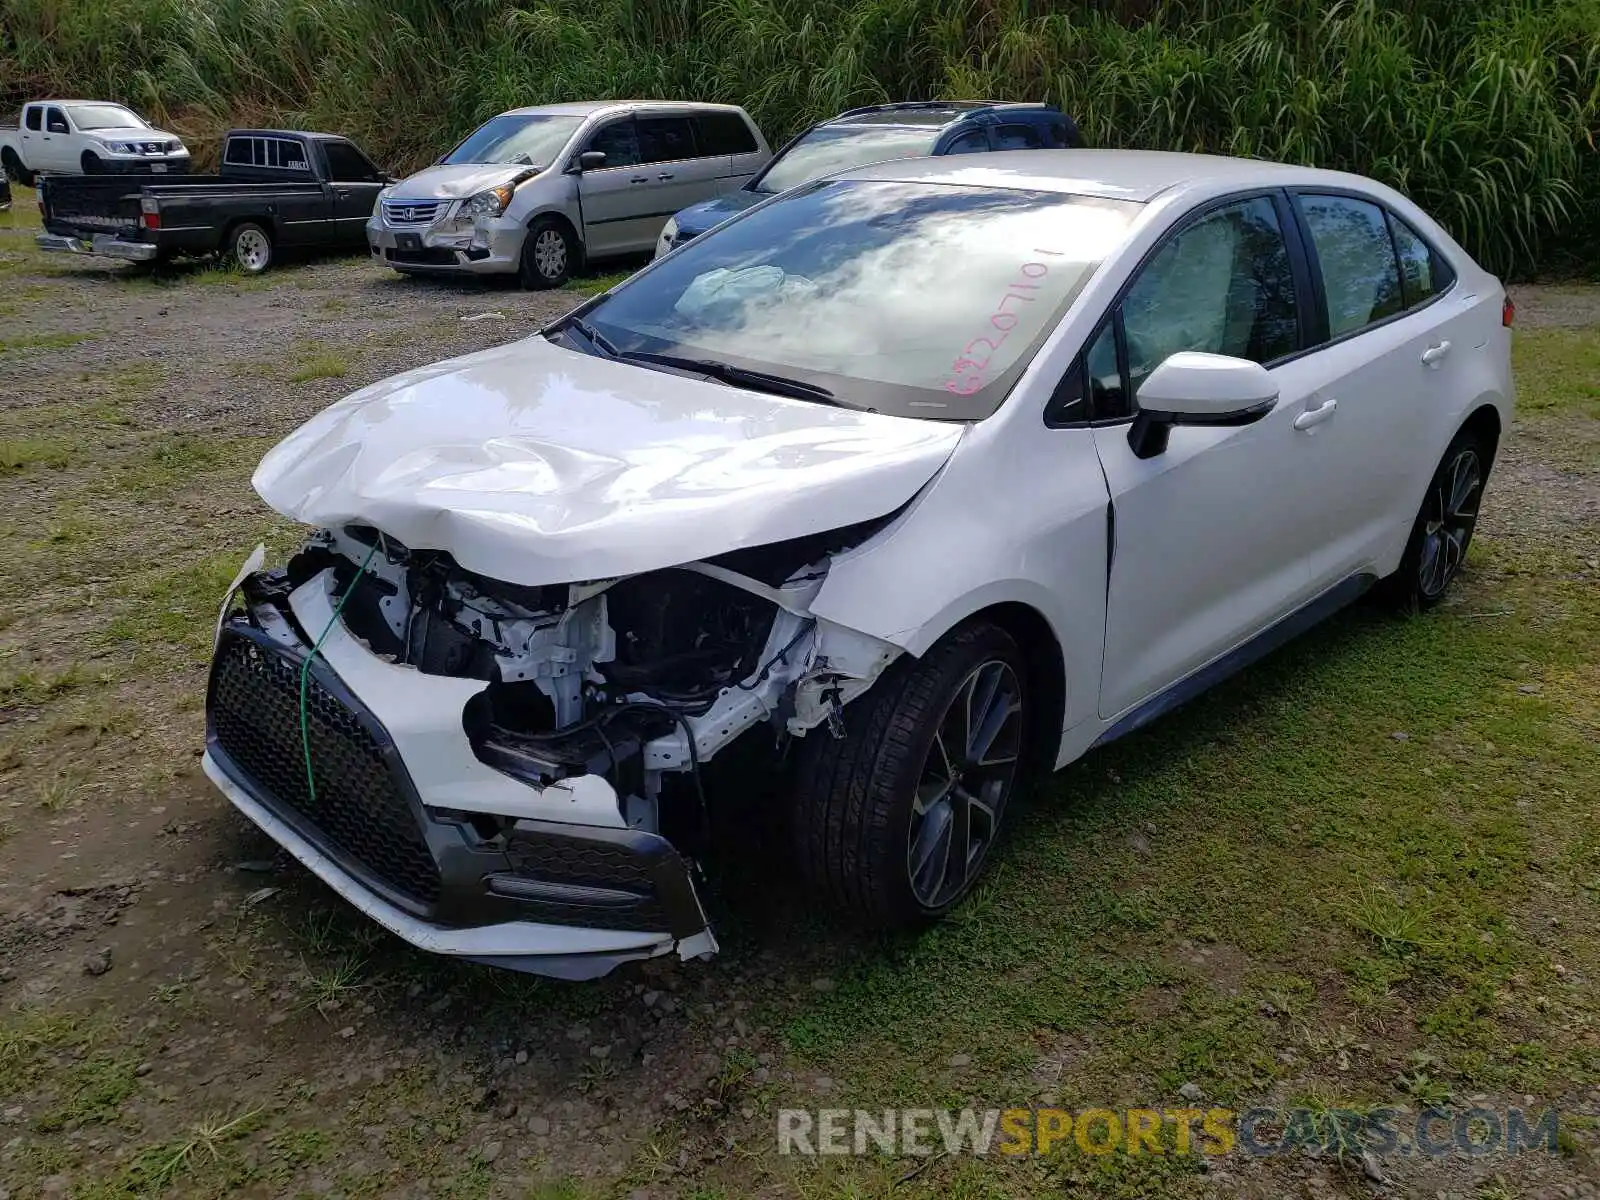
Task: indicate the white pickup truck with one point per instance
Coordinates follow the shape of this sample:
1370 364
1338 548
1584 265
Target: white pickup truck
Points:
87 137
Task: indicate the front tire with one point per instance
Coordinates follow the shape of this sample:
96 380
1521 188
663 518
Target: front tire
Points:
1443 529
548 255
91 164
250 248
895 822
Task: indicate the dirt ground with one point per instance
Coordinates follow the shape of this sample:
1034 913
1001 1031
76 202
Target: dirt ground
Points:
187 1012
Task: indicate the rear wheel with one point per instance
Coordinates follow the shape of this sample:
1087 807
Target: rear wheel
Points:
895 822
14 168
1443 529
548 255
250 248
91 164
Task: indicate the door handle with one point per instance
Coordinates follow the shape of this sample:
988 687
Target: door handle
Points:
638 179
664 175
342 193
1312 417
1434 353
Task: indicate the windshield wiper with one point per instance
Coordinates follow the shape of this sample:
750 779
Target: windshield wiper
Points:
599 340
756 381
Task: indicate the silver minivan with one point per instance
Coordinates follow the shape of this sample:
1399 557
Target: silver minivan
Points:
537 191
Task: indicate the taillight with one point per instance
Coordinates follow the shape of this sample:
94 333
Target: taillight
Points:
151 211
1508 311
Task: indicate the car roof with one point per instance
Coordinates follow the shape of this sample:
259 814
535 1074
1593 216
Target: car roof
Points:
311 134
114 103
589 108
929 113
1139 175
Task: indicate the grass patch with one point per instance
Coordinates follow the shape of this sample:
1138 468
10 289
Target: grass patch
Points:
593 285
41 341
322 364
19 454
1558 376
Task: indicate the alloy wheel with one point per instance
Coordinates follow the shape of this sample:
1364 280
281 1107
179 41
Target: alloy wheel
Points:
964 784
1451 514
252 250
550 253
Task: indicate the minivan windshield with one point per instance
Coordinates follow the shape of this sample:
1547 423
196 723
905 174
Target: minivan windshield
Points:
913 298
830 148
105 116
529 140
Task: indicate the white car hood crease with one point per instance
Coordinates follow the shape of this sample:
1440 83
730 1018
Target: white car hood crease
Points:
535 464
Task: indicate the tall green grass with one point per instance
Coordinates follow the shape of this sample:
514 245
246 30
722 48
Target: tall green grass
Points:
1484 112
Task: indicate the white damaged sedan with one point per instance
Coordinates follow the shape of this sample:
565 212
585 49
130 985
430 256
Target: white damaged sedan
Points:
941 470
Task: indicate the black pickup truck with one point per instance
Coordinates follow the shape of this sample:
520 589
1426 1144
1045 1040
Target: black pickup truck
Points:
277 190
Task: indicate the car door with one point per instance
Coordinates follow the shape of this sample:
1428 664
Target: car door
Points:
680 173
612 198
356 184
730 139
30 136
1211 535
1386 365
56 142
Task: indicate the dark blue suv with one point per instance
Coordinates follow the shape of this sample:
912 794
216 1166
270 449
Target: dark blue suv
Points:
883 131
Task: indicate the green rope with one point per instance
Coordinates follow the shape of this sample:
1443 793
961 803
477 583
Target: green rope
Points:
305 670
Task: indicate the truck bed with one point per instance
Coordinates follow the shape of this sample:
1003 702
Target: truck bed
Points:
77 204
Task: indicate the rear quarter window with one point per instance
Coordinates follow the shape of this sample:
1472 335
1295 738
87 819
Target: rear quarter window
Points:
725 133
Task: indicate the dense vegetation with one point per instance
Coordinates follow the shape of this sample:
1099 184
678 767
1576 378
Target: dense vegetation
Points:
1484 112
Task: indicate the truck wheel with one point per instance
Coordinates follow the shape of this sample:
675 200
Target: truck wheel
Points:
894 822
91 164
14 168
548 255
250 248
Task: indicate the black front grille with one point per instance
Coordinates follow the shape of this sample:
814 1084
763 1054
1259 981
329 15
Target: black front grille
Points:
359 809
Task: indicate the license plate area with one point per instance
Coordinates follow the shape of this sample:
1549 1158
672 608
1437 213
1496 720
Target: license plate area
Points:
408 241
159 168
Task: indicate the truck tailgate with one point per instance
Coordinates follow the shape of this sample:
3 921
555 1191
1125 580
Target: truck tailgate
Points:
89 203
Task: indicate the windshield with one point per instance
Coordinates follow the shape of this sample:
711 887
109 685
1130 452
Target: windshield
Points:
529 141
830 148
918 299
105 116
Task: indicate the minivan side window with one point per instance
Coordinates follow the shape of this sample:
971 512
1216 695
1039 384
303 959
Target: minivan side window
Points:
55 121
35 117
665 139
1017 137
1360 275
973 141
617 142
725 133
1423 273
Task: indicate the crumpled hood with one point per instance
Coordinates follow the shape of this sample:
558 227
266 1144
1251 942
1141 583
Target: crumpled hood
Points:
457 182
698 218
535 464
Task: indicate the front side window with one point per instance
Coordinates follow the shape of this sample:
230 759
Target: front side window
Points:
665 139
917 299
55 121
617 142
830 148
1017 137
1360 276
346 164
106 116
1223 285
528 140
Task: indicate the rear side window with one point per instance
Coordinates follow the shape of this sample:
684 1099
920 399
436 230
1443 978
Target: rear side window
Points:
1423 273
346 164
665 139
1017 137
725 133
1360 275
974 141
35 117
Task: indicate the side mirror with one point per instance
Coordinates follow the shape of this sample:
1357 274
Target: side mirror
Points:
591 160
1190 388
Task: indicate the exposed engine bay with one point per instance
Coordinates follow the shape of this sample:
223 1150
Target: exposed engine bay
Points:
637 680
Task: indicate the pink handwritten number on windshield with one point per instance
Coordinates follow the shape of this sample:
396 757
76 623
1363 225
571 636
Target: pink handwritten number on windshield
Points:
969 372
